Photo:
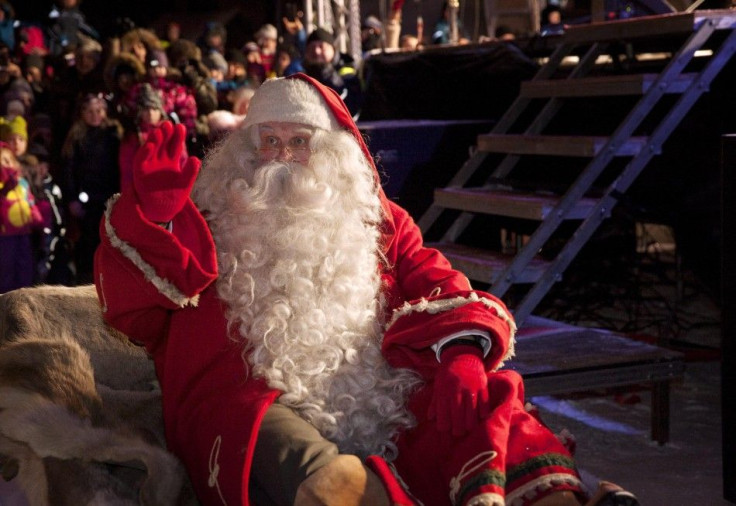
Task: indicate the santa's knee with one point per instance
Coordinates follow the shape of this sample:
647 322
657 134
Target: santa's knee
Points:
345 481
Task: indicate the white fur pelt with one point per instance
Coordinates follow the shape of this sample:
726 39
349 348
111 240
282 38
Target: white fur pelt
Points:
52 421
80 411
299 252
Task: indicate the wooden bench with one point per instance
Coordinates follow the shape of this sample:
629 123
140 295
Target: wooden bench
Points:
555 358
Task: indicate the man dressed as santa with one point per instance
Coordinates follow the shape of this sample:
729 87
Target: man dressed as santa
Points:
310 349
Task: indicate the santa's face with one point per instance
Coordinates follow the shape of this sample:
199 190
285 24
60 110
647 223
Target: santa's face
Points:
284 142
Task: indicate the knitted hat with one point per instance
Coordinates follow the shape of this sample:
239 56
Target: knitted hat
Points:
148 98
289 100
17 126
322 35
215 61
372 22
267 31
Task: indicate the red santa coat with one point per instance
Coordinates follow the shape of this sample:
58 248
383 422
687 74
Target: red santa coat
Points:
158 288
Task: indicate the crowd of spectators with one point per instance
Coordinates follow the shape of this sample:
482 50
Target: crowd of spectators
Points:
75 106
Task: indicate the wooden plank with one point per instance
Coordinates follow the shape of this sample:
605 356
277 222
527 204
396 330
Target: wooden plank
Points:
584 349
609 86
555 145
627 29
530 206
481 265
575 380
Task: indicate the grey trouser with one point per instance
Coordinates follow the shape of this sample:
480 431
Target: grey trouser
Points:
288 450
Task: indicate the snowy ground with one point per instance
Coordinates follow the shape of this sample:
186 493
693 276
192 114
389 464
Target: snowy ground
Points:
613 439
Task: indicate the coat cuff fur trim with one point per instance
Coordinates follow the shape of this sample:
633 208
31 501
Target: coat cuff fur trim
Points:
439 306
164 286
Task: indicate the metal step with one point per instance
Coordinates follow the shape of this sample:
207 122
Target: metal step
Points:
481 265
555 145
530 206
609 86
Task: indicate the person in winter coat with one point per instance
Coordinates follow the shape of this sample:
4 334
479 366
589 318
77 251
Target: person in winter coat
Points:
18 217
90 175
333 69
310 349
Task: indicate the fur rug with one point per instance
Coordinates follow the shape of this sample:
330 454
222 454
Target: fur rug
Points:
80 412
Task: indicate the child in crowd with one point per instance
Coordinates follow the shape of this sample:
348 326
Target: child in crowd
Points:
18 217
14 132
51 247
150 113
90 176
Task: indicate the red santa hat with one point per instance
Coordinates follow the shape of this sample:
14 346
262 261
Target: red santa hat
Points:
301 99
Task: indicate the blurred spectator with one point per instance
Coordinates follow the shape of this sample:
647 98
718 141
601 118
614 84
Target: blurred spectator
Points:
150 113
82 73
173 33
7 24
237 68
66 22
177 100
213 38
294 34
333 69
267 39
144 45
219 69
441 32
13 85
90 176
221 123
552 20
371 34
256 71
52 252
288 61
217 65
14 133
30 40
18 217
409 42
186 61
240 100
34 71
122 72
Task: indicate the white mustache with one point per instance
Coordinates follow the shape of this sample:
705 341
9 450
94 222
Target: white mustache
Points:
292 184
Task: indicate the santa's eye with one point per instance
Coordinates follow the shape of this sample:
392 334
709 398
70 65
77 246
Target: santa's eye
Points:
300 142
271 141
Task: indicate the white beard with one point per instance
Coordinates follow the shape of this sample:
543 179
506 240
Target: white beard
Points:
298 251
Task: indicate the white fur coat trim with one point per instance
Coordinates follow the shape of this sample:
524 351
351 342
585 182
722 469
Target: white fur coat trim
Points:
164 286
439 306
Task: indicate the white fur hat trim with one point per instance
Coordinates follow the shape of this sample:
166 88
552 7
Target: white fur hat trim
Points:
289 101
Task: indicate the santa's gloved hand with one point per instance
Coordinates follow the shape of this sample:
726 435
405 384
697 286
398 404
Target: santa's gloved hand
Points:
162 182
460 398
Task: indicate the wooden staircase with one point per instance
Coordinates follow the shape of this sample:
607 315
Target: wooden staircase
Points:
691 50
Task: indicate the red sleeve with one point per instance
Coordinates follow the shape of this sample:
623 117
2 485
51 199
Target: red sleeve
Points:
429 300
142 271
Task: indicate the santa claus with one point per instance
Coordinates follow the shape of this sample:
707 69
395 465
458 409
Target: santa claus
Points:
310 349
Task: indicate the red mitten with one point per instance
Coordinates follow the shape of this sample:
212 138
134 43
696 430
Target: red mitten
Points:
460 398
162 183
396 5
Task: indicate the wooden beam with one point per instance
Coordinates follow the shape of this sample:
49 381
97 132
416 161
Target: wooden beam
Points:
555 145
